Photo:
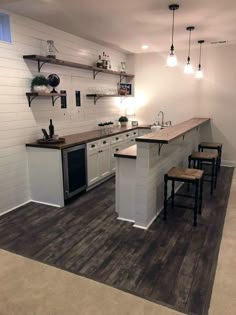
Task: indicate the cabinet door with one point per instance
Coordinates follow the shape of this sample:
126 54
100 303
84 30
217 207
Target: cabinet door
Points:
93 168
104 158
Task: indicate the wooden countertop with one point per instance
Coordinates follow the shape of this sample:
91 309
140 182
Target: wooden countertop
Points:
171 133
129 153
82 138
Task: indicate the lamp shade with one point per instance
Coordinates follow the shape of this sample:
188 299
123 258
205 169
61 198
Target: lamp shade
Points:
199 74
171 60
188 69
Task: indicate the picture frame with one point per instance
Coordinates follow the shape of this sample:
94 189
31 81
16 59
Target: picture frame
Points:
127 87
134 123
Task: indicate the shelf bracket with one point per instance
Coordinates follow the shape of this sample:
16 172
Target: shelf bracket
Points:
30 99
95 99
54 99
159 149
122 77
40 64
95 72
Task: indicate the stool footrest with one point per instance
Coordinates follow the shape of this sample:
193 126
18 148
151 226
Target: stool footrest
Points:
183 195
182 206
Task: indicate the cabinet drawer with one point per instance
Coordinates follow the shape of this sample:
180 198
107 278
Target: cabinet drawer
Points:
92 147
128 135
118 138
105 142
134 133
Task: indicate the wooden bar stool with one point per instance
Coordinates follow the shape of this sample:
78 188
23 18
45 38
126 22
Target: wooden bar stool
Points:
212 146
197 159
185 175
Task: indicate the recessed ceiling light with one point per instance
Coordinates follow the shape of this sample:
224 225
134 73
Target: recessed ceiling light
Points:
145 47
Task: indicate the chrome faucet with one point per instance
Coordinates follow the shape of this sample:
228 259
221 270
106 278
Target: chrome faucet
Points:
162 117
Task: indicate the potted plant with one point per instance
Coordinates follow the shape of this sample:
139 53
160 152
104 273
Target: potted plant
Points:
123 121
39 84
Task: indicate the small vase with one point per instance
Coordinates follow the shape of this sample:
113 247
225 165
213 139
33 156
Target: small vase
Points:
41 89
123 124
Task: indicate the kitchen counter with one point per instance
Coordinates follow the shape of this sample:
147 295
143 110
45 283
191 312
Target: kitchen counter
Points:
171 133
129 153
81 138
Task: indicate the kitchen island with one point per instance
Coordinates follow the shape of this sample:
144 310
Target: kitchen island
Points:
140 170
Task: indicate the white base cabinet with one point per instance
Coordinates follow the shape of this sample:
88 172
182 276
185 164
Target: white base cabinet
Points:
101 162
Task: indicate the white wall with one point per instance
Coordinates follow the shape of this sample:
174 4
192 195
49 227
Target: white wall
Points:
20 124
181 96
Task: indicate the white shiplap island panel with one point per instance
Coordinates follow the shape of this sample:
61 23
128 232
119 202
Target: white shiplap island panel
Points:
20 124
140 171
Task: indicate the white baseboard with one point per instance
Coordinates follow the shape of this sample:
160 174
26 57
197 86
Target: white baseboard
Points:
228 163
149 224
25 203
47 204
12 209
127 220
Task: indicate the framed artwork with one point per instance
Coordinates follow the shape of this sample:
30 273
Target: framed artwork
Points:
127 87
134 123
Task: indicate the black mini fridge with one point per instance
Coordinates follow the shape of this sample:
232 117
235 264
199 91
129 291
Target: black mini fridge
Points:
74 170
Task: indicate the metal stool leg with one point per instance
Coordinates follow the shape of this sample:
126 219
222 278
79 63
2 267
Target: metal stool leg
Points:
201 194
189 166
216 172
165 196
173 194
212 176
220 152
196 203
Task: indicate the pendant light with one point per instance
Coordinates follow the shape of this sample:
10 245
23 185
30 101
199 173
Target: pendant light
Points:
188 67
199 73
171 59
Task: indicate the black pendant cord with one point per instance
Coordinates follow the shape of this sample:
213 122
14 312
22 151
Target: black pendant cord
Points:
200 58
189 43
173 29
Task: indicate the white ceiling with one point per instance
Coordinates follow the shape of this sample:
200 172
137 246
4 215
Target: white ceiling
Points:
128 24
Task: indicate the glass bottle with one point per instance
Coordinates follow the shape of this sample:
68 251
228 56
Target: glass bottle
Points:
51 129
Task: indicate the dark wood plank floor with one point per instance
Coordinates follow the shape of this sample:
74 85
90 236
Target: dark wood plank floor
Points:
172 263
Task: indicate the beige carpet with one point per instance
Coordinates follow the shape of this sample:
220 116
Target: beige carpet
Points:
31 288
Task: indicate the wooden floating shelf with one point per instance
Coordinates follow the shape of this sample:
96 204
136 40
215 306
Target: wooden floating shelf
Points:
96 97
55 96
42 60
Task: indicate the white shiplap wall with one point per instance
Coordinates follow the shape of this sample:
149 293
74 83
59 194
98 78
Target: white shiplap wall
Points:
20 124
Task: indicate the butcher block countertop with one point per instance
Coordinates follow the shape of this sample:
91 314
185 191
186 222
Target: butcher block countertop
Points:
171 133
82 138
129 153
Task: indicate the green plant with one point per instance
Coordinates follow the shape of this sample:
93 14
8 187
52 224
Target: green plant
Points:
123 119
39 80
